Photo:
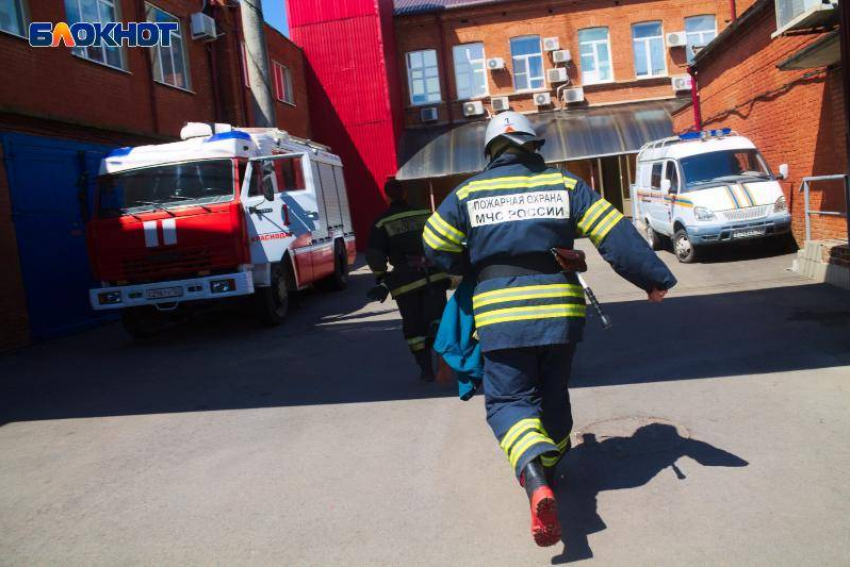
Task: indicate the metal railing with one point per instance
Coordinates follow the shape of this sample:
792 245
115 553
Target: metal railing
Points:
805 187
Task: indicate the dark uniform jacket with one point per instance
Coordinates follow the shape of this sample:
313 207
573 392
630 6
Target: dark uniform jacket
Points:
520 208
396 239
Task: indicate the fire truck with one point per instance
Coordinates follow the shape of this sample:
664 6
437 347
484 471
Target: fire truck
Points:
225 212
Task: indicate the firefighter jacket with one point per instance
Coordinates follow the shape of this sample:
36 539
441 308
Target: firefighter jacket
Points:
512 214
396 239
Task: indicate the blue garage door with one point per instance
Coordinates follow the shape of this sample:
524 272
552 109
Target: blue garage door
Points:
48 180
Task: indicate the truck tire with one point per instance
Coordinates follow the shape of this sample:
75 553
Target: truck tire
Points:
339 280
684 249
143 322
273 302
652 237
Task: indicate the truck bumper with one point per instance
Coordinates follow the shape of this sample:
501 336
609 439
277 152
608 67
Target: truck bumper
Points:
172 292
774 225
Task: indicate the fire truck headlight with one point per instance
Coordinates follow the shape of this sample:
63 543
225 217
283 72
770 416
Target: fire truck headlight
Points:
223 286
781 205
109 297
702 213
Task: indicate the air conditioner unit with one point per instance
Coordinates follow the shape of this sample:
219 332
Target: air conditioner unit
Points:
562 56
429 114
677 39
551 44
203 27
681 83
495 63
575 94
803 14
473 108
543 99
557 75
500 103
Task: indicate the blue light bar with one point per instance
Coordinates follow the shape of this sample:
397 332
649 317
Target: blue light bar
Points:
706 134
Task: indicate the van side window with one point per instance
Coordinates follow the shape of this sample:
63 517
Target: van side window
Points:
672 174
656 176
290 174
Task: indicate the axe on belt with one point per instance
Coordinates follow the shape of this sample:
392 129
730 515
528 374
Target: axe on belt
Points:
573 262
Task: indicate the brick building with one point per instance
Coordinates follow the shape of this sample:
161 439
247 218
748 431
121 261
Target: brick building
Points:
783 89
61 110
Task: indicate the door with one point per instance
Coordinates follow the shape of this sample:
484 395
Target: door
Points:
299 209
671 175
52 184
658 206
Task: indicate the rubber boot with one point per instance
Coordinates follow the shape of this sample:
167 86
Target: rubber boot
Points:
423 359
545 527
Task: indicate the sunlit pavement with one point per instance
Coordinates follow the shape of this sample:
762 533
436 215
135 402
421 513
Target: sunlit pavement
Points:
710 430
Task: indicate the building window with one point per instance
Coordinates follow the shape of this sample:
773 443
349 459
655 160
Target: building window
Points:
283 84
700 30
13 18
169 63
527 55
423 77
648 42
95 11
595 56
470 71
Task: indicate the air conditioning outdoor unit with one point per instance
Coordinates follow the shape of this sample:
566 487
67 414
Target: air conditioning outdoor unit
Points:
543 99
203 27
575 94
473 108
495 63
681 83
551 44
677 39
562 56
803 14
500 103
557 75
429 114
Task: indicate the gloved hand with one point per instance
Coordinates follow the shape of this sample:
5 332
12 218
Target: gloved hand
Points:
570 260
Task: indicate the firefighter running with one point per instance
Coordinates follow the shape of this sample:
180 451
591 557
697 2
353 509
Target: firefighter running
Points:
499 227
419 290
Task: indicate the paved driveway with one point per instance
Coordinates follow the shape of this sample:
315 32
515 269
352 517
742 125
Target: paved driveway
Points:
710 430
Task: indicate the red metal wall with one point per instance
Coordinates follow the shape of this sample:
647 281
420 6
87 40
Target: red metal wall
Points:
353 87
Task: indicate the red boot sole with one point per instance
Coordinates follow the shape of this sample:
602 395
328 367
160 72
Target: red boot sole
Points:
545 526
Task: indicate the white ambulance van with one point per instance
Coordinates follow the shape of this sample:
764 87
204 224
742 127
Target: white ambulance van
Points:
707 188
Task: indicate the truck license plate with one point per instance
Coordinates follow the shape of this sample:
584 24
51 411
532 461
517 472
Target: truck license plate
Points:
165 292
748 233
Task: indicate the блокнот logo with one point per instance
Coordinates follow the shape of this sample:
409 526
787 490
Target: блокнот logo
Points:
109 34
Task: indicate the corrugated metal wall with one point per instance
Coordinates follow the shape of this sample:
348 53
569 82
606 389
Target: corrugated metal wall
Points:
354 100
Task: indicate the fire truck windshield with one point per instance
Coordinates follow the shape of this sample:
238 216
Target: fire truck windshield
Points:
162 186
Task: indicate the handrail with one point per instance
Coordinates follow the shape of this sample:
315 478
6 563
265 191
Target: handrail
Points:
804 188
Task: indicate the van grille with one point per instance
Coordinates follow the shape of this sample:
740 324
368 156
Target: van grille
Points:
750 213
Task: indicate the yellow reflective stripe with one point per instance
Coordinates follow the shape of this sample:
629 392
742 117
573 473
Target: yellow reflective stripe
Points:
570 183
525 289
598 234
513 314
416 340
548 461
419 283
443 227
526 296
509 183
527 443
517 429
437 243
404 215
379 273
594 212
416 343
514 179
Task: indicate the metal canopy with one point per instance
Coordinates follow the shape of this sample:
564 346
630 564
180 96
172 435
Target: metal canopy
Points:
822 53
570 135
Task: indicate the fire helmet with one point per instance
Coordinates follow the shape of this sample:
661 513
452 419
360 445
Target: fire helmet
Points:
514 128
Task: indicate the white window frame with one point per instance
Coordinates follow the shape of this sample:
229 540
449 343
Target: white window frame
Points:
283 83
176 36
595 45
646 46
690 46
20 9
410 79
83 52
527 60
473 69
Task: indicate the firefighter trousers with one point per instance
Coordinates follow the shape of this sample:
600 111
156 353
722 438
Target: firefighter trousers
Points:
528 403
421 311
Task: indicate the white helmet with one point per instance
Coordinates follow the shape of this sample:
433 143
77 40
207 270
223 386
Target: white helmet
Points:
513 127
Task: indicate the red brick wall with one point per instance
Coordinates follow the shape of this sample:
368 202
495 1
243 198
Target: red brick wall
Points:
295 119
794 117
495 25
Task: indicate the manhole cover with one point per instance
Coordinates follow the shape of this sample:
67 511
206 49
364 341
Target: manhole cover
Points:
634 435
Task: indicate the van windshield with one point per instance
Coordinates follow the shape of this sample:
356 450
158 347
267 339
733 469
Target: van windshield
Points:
165 186
728 166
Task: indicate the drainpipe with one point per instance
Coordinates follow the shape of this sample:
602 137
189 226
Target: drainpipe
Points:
695 98
445 71
733 9
844 34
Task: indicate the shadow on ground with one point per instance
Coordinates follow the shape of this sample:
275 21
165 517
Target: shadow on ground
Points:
618 463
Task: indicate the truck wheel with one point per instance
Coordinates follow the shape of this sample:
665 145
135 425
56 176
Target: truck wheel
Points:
339 280
684 249
273 302
143 322
652 237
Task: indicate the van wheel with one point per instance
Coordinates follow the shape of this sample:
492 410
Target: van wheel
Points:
684 249
273 302
143 322
652 237
339 280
